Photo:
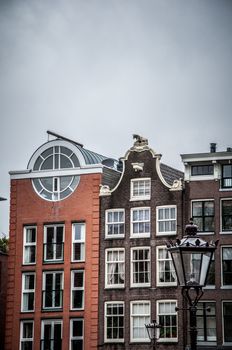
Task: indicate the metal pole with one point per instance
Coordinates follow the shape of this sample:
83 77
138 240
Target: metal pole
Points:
193 327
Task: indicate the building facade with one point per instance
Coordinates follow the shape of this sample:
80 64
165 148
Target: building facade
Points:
208 200
3 293
137 279
52 300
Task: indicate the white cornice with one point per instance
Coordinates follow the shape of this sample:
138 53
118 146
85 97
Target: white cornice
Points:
84 170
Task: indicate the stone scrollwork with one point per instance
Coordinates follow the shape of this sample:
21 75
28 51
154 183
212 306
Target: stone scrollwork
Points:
105 190
177 185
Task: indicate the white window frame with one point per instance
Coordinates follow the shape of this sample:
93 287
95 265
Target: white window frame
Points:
44 290
221 230
143 234
223 323
81 288
148 320
21 333
80 241
71 332
120 235
224 286
55 242
158 261
119 340
107 263
52 322
167 340
143 196
203 200
28 244
27 291
165 233
146 284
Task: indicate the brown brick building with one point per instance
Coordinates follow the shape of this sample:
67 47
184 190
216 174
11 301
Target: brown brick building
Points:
137 279
52 301
208 199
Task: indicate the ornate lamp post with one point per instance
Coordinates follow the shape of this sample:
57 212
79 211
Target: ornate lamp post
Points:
152 329
191 258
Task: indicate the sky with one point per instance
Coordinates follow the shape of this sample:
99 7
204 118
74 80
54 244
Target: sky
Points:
99 71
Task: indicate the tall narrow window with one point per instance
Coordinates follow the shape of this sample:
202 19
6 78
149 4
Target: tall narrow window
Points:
28 292
51 335
203 215
140 267
166 220
167 318
140 315
227 266
52 290
226 210
26 335
115 219
115 268
206 322
211 274
29 251
227 176
141 189
54 243
166 275
227 318
140 222
114 322
77 334
77 290
78 242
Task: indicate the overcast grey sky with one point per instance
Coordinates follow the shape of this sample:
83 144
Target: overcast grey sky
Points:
98 71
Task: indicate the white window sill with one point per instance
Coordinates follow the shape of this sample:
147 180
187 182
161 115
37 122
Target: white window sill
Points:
205 233
166 234
167 340
209 287
116 286
140 341
115 237
114 341
225 189
166 285
142 198
140 235
225 232
140 285
226 287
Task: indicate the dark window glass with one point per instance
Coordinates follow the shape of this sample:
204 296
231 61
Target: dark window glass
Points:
201 170
227 265
206 322
203 215
227 215
227 176
227 313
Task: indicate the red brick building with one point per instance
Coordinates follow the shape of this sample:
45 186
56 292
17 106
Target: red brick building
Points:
52 301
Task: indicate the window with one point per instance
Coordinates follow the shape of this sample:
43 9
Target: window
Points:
140 315
29 244
167 318
78 242
166 220
77 334
140 267
115 268
226 176
26 335
51 335
203 215
54 159
114 322
227 266
52 290
206 169
227 321
206 322
53 243
166 275
28 292
115 220
140 222
140 189
226 215
77 290
211 274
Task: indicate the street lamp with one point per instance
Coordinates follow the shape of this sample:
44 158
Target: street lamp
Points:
152 331
191 258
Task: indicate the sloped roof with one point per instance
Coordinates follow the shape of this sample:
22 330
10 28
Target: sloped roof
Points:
170 174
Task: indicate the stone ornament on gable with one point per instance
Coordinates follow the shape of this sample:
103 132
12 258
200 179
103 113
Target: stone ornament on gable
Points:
177 185
105 190
140 143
